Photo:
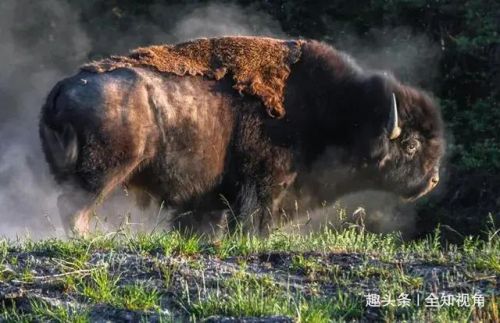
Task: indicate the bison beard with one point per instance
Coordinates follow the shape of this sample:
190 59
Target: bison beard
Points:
187 139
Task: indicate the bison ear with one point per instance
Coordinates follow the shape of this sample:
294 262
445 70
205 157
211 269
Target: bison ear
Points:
393 128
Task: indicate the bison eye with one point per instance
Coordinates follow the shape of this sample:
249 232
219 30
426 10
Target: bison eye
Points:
412 146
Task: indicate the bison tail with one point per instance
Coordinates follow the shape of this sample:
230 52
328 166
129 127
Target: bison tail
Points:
61 147
59 139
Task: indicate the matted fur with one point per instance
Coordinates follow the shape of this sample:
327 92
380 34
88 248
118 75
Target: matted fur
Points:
259 66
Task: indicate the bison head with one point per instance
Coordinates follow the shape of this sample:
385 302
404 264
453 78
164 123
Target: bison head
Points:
407 151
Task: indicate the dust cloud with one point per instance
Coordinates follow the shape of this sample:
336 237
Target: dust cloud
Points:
411 57
45 41
226 19
39 45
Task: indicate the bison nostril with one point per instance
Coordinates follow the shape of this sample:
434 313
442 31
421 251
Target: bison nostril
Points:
435 180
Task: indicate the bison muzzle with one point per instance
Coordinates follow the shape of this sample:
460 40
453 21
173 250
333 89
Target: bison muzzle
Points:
188 138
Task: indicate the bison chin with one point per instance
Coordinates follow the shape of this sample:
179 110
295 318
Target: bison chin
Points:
426 187
409 192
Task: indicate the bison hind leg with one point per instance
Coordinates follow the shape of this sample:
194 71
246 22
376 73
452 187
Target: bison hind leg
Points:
76 209
70 203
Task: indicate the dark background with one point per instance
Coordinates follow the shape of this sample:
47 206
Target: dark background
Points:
451 48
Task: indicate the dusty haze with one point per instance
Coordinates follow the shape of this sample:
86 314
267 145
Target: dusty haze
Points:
44 41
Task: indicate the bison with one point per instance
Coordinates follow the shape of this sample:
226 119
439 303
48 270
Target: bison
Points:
188 133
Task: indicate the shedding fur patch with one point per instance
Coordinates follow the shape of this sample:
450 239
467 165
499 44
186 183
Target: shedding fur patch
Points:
259 66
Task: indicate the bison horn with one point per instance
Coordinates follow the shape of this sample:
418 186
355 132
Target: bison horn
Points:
392 126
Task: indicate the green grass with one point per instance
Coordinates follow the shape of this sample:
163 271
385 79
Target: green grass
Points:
248 295
482 253
101 287
307 266
175 275
42 312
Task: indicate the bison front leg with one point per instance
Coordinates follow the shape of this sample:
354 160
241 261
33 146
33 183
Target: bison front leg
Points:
253 210
258 204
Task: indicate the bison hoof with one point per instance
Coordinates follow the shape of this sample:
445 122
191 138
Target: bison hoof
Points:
81 226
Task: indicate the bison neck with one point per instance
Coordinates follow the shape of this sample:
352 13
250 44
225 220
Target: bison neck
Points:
332 111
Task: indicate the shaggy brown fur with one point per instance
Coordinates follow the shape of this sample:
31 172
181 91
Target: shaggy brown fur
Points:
259 66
